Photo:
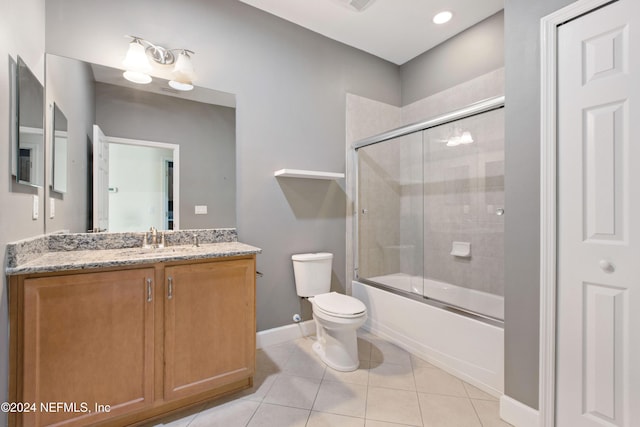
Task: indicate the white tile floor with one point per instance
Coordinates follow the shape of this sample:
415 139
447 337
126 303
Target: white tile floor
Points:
292 387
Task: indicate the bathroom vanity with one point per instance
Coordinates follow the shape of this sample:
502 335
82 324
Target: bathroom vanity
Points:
113 336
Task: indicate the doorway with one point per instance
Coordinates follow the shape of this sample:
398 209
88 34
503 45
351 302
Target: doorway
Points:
140 186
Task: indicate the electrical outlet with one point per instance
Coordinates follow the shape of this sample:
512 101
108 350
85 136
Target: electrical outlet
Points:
35 211
201 209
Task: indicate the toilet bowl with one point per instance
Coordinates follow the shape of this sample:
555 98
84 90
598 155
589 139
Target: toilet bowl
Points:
337 316
337 319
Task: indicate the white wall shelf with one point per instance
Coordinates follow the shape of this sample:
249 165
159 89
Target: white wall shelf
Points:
298 173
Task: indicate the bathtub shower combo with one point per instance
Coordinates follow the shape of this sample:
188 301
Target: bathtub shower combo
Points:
429 239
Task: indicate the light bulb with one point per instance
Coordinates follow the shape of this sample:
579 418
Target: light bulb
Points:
180 86
442 17
466 137
137 77
136 59
137 64
453 141
183 73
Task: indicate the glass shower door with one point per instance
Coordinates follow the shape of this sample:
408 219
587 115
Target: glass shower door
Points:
390 216
463 213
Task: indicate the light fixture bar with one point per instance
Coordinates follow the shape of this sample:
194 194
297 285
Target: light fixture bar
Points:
138 67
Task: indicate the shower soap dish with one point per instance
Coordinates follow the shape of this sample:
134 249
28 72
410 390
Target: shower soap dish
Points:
461 249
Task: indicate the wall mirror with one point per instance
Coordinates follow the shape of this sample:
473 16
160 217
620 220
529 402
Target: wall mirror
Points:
123 138
29 135
59 151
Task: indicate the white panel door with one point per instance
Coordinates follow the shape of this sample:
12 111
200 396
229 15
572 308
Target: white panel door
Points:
100 180
598 329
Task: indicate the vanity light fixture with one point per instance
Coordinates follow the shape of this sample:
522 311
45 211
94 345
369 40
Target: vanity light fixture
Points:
442 17
138 65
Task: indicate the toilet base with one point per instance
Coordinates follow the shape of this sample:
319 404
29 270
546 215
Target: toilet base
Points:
338 349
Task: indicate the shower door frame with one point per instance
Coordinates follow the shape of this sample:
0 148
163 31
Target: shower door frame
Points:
484 106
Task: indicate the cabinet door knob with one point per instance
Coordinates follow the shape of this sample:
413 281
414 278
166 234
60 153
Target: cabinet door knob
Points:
149 290
607 266
170 288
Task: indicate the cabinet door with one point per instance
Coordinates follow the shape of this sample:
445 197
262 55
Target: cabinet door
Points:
209 325
88 340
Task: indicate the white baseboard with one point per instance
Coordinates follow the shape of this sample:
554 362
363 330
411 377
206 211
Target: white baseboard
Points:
517 413
285 333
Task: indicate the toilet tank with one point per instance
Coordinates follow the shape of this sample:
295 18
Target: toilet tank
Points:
312 273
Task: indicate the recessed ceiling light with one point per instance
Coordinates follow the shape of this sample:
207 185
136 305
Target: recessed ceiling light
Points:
442 17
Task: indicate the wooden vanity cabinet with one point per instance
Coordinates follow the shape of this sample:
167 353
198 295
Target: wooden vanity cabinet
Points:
144 341
87 339
209 326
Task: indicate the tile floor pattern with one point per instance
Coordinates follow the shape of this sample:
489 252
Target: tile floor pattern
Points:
292 388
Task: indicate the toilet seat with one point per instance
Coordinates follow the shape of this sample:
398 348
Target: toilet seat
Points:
339 305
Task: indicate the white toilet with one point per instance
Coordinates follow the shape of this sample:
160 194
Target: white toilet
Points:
337 316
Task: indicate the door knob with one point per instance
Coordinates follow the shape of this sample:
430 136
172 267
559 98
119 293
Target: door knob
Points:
606 266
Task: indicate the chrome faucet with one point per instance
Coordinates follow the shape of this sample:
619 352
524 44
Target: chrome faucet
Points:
153 233
154 237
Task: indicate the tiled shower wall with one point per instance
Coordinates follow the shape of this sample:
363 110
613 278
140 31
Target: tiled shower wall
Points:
463 188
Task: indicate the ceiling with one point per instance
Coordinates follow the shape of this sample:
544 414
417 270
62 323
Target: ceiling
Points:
395 30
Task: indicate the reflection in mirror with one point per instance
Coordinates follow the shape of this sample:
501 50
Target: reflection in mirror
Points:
133 184
201 123
30 135
59 148
141 193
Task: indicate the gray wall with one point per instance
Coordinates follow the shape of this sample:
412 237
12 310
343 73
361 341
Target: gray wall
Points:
290 85
205 133
70 86
474 52
522 190
21 33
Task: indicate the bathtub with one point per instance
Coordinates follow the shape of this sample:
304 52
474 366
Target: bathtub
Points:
470 348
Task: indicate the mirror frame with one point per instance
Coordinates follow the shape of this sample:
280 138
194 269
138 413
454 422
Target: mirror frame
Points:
13 113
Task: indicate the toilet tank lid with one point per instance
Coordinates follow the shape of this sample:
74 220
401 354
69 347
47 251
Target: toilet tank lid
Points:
312 257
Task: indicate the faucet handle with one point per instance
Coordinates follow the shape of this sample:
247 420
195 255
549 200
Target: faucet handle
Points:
196 242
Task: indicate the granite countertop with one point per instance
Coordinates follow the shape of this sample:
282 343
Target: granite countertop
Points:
81 251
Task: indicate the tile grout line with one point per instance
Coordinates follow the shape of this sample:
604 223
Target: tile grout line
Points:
475 411
261 401
366 398
204 405
413 372
253 414
316 396
324 372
